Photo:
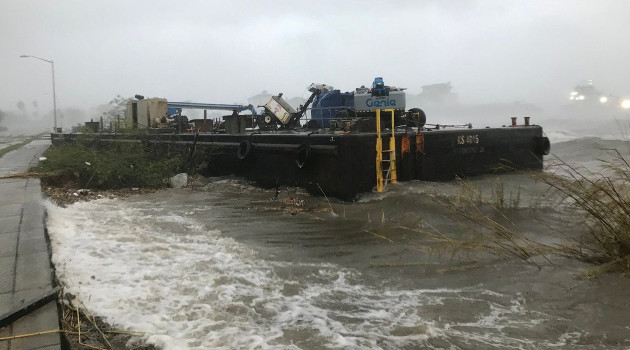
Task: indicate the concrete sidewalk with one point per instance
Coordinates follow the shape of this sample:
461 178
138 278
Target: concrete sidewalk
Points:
25 268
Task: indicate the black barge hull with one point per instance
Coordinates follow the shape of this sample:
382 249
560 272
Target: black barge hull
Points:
343 165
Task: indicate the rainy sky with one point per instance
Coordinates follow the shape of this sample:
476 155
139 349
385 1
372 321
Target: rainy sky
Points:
226 51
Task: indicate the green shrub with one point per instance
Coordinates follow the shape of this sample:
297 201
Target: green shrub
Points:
108 165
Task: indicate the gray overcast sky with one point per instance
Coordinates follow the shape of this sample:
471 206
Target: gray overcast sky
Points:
226 51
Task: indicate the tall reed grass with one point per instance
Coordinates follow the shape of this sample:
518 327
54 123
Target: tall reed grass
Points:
598 201
602 200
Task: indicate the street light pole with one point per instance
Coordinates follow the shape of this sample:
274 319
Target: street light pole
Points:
52 64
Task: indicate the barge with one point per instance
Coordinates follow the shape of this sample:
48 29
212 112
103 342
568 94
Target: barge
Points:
344 151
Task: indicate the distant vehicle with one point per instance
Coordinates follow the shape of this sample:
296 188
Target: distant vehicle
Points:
585 94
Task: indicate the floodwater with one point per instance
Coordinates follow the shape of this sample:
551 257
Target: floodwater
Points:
232 266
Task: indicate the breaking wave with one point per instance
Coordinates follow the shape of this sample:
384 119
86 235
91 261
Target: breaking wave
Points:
149 266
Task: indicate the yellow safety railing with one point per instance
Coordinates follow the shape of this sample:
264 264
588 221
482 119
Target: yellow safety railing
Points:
390 172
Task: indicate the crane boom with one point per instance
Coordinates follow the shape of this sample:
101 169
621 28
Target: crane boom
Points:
216 106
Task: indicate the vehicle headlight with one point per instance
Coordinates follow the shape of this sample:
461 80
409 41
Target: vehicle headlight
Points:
603 99
625 104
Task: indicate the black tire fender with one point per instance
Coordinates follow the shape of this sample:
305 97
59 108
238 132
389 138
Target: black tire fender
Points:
542 145
302 154
546 146
243 149
418 116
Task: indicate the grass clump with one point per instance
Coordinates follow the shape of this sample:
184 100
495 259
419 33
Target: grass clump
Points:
603 201
111 165
598 203
485 223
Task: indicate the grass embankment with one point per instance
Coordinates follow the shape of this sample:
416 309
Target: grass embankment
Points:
597 203
92 164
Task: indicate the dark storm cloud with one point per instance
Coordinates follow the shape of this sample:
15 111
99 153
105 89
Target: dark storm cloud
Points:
224 52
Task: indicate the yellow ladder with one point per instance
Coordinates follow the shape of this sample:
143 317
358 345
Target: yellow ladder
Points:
390 162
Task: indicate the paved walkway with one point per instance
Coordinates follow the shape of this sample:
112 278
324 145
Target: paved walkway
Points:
25 268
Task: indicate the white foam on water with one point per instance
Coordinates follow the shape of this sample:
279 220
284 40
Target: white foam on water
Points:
557 136
146 267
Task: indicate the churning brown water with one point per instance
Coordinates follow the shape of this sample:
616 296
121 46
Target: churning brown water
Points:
234 266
